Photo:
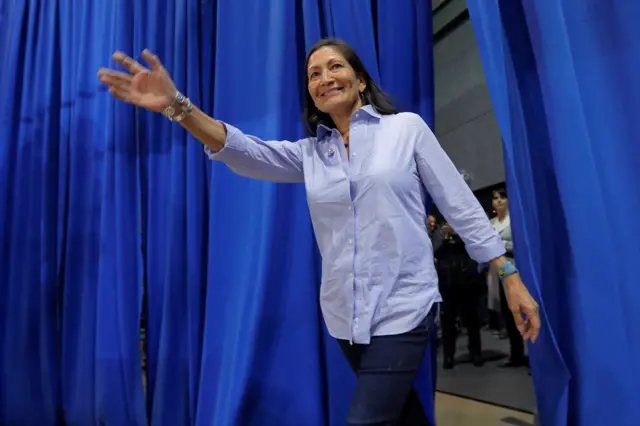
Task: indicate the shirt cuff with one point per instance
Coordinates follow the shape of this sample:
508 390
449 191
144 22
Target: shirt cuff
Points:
233 142
487 252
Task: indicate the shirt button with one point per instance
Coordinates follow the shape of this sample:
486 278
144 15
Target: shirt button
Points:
350 208
353 154
350 241
357 114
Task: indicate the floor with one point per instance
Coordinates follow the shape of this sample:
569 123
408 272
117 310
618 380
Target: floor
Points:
456 411
510 388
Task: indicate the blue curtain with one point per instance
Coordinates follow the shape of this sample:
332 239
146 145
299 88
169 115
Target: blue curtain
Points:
70 264
100 202
28 352
563 80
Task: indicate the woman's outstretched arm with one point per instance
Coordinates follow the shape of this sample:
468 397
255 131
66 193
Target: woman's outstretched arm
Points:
152 88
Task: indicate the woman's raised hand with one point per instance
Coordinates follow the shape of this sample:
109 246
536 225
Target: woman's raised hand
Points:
150 88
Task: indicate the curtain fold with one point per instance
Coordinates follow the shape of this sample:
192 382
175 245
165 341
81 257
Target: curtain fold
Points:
561 78
30 120
100 202
70 267
101 269
119 390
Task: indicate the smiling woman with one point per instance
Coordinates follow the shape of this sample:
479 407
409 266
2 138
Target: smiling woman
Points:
379 291
337 84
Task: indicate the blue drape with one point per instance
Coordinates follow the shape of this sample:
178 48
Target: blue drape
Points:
28 352
563 80
99 201
70 264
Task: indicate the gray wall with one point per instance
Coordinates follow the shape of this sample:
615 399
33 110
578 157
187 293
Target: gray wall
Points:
465 122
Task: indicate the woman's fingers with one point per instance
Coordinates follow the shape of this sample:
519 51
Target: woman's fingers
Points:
119 83
534 320
116 75
124 95
529 326
151 59
119 93
116 81
129 63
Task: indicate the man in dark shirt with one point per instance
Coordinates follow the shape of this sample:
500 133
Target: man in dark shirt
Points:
461 287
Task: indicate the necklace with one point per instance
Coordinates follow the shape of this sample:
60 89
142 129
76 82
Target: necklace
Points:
345 140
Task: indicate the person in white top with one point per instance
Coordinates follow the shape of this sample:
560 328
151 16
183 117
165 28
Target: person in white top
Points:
496 298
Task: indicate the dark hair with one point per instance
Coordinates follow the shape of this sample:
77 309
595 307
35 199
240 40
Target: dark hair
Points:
501 192
372 94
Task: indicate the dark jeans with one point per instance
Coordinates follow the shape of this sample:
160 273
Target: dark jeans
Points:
386 369
515 339
460 299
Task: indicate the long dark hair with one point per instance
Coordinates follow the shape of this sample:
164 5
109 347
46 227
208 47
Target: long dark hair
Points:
372 94
501 192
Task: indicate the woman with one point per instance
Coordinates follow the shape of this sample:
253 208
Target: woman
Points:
497 297
367 170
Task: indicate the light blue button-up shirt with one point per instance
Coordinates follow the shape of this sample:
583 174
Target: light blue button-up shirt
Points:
369 215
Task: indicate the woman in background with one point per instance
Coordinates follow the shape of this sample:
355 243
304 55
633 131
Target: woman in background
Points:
497 299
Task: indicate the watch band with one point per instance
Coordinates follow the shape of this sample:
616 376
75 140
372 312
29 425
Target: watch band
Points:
506 270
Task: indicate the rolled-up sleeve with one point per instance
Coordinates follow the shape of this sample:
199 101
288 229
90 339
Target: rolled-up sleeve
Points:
249 156
454 198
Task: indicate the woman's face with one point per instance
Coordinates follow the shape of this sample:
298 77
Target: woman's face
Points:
333 85
499 203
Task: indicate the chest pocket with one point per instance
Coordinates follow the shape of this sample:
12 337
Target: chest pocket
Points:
325 178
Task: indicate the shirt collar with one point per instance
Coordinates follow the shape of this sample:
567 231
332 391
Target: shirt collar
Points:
323 130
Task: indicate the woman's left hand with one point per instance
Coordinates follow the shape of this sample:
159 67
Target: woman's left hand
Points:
521 303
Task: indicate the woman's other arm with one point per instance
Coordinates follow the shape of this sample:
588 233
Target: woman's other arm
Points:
454 198
462 210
